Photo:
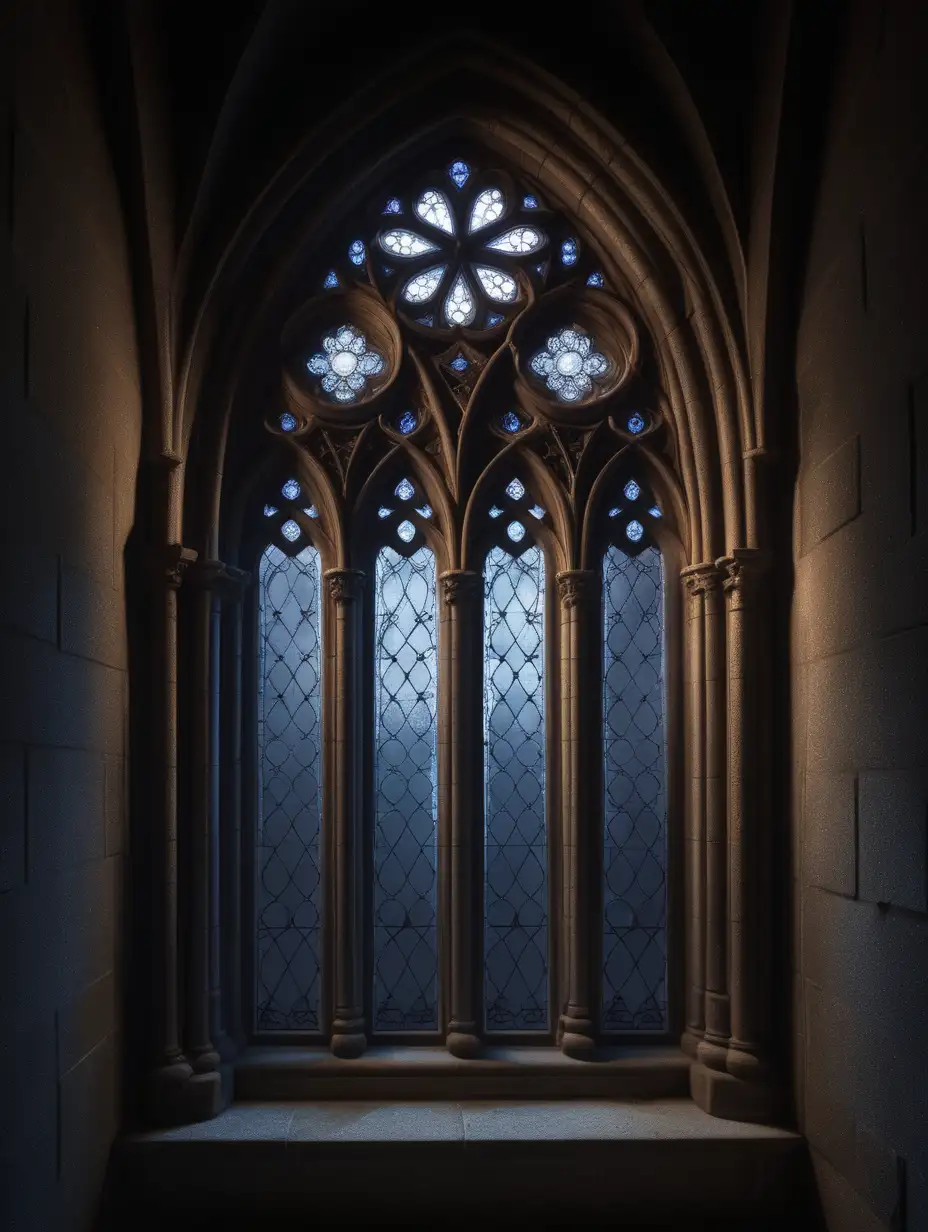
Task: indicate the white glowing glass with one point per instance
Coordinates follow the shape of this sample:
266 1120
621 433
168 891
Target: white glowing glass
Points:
497 284
595 280
488 207
405 244
345 363
406 531
311 512
290 530
384 512
634 530
495 511
537 512
614 513
655 512
357 252
632 490
423 286
515 489
330 280
460 306
404 490
519 240
291 489
424 511
515 531
287 422
568 363
432 207
270 510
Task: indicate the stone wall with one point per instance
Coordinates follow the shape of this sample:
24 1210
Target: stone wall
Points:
71 429
860 639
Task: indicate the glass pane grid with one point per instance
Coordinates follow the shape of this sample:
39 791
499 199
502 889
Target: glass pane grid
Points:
288 889
635 841
405 837
516 876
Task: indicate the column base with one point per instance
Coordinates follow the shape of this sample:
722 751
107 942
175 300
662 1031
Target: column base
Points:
577 1036
463 1040
689 1043
205 1060
348 1037
178 1096
713 1053
723 1095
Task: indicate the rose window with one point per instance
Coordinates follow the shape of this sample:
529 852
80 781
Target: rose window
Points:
450 253
345 364
569 365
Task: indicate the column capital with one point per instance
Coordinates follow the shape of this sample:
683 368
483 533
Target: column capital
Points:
215 575
172 563
577 587
459 586
742 571
701 579
344 585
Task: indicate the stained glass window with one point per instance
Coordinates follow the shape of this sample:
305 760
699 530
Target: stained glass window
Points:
635 840
518 241
405 950
287 886
516 874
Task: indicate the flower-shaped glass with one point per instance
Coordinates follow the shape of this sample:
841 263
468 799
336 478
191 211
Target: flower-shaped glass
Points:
454 250
345 364
568 365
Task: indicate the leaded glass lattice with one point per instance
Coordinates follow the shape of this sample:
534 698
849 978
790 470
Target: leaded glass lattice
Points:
288 888
406 783
516 874
635 829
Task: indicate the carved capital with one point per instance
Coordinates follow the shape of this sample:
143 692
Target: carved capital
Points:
345 585
174 563
213 575
577 586
743 572
701 579
459 586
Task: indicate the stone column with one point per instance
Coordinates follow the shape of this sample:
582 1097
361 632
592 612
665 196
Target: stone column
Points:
204 579
344 588
461 592
694 640
174 1093
579 591
713 1049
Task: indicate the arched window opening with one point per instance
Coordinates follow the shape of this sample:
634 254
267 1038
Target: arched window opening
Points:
405 940
516 879
634 967
288 883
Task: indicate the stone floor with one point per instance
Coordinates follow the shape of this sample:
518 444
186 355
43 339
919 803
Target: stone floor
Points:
660 1164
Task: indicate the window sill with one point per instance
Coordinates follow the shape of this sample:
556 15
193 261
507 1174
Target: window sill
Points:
397 1073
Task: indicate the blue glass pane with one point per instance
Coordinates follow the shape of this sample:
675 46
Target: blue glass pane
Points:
288 888
459 363
291 489
357 252
330 280
406 531
595 280
404 490
407 423
655 512
569 252
635 423
494 319
291 530
393 206
511 422
287 422
516 861
632 490
530 202
635 830
635 531
405 834
270 510
460 173
495 511
515 531
515 488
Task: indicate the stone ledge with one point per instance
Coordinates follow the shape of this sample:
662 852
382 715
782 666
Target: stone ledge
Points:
398 1073
376 1159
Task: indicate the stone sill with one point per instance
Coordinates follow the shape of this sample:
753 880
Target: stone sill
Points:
398 1073
372 1160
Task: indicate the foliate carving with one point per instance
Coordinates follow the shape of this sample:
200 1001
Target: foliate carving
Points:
577 586
701 579
345 585
459 586
743 573
175 563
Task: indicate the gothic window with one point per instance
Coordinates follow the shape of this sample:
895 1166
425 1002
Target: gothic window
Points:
289 887
460 393
634 994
